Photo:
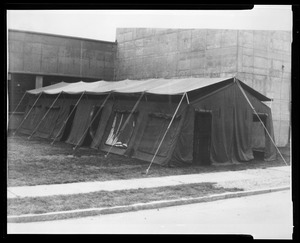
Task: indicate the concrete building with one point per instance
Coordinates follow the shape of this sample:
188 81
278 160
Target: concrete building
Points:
37 59
262 59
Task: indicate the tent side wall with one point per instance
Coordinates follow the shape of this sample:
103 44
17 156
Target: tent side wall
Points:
183 151
270 150
53 115
52 122
221 105
105 115
59 126
33 114
232 122
156 119
150 122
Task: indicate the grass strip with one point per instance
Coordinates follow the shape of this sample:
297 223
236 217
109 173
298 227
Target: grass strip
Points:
36 162
19 206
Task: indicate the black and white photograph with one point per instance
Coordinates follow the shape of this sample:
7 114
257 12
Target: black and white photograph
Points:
161 122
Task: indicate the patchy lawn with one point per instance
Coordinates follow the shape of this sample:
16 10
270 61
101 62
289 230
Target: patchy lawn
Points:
109 199
36 162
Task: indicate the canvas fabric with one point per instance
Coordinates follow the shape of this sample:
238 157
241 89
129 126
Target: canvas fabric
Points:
231 134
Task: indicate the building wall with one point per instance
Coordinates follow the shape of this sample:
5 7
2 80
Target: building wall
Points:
45 54
262 59
153 53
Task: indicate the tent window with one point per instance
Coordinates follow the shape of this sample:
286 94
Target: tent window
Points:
121 140
262 116
154 131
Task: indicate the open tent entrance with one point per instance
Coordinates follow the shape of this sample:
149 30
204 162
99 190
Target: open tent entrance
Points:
259 135
95 117
69 123
116 137
202 138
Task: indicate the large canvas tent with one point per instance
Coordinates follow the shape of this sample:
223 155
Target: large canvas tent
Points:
166 121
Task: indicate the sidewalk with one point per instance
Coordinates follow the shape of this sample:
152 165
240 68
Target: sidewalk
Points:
252 177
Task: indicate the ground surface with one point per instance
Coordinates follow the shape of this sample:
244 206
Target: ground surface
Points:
266 216
36 162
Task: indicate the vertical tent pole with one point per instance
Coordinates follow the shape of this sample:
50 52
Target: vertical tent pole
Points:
65 121
125 123
104 102
28 113
17 107
45 115
260 120
161 141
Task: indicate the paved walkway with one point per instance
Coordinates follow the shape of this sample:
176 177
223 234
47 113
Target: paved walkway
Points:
147 182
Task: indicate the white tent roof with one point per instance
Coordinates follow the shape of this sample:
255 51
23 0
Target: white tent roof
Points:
150 86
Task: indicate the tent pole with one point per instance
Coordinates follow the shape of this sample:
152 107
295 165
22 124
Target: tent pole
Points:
260 121
65 121
161 141
17 107
104 102
28 113
45 115
125 123
187 98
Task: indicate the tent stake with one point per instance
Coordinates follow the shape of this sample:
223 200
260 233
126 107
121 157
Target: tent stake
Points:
161 141
65 121
36 128
261 122
17 107
125 123
28 113
107 97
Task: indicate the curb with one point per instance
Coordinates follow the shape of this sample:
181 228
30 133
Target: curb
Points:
26 218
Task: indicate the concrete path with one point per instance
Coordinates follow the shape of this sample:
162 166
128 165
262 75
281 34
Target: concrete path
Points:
263 216
147 182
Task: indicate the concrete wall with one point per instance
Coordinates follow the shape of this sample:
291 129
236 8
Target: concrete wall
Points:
264 63
153 53
44 54
256 57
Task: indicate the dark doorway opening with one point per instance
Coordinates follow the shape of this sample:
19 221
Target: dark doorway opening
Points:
202 138
69 124
91 132
259 135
